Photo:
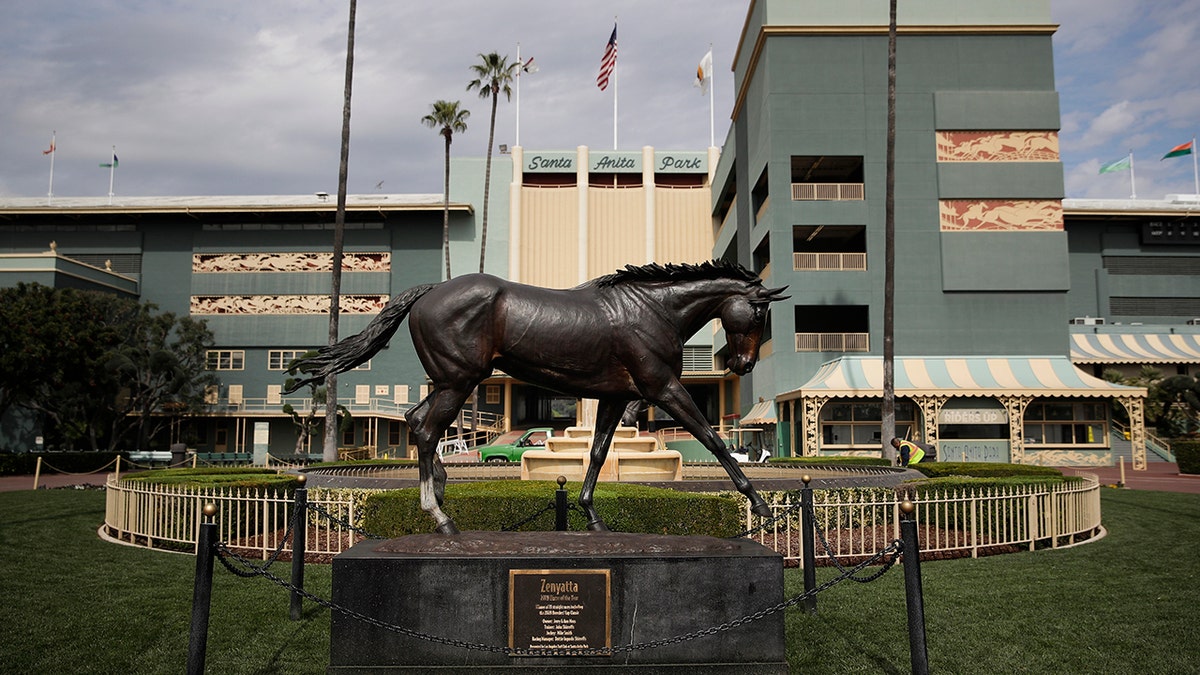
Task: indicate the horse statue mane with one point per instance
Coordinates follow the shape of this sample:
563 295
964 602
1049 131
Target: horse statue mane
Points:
654 272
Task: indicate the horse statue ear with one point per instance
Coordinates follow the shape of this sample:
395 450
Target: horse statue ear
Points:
770 295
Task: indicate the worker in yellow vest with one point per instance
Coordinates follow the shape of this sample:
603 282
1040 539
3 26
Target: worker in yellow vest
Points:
910 453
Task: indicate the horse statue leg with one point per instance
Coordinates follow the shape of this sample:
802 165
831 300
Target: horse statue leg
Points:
608 415
429 420
678 402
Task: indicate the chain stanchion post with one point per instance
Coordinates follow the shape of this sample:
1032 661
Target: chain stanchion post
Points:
202 593
37 472
913 596
299 545
808 550
560 505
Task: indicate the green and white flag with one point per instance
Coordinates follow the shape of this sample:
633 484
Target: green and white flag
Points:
1122 164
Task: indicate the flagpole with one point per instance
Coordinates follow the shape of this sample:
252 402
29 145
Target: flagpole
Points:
50 191
112 172
712 134
1195 170
520 67
1132 185
614 77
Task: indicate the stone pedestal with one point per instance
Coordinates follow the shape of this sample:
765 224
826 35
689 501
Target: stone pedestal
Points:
631 457
561 591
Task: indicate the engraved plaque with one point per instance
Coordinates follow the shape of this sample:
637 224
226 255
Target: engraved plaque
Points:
559 610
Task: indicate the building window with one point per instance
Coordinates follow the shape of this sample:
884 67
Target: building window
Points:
394 436
348 437
225 359
492 394
832 328
857 425
824 248
827 178
1066 423
278 359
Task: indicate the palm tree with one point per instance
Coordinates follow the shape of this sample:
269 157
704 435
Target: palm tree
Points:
494 75
447 118
329 451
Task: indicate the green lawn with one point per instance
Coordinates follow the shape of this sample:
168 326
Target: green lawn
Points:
1128 603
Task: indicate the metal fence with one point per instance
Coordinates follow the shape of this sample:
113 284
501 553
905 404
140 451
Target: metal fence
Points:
856 522
254 521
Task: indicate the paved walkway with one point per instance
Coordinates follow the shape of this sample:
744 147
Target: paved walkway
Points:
1161 476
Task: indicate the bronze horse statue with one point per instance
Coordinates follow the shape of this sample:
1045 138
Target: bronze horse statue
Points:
618 339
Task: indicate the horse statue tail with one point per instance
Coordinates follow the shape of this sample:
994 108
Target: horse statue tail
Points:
357 349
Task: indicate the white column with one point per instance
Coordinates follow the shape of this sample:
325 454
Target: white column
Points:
648 187
514 214
581 180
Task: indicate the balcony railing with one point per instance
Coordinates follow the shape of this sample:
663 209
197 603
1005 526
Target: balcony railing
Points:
851 262
835 192
833 342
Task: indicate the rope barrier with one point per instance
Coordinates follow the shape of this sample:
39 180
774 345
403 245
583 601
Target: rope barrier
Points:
79 473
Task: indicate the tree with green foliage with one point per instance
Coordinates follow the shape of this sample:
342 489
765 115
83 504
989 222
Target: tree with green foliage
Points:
307 421
1172 402
493 76
160 372
448 118
98 369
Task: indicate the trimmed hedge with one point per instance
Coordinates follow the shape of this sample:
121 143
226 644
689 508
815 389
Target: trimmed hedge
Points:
68 462
1187 455
218 477
983 469
506 505
831 461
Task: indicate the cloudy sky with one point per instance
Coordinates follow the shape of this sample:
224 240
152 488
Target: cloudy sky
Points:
235 97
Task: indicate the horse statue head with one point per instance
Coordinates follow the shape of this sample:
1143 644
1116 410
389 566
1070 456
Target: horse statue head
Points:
742 317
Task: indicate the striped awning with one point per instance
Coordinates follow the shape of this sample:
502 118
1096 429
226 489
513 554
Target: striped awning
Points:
852 376
1135 348
763 412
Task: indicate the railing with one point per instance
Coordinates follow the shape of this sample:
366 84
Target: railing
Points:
838 192
833 342
169 516
849 262
1154 444
857 523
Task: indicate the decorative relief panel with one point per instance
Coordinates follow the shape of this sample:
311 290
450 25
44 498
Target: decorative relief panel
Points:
965 215
289 262
997 146
284 304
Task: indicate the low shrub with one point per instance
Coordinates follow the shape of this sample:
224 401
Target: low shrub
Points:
512 505
983 469
66 462
218 477
1187 455
831 461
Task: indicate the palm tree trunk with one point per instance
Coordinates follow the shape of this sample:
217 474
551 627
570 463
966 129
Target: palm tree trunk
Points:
487 181
446 209
888 423
330 450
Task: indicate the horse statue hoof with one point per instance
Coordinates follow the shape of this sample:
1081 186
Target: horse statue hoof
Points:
598 526
447 527
762 509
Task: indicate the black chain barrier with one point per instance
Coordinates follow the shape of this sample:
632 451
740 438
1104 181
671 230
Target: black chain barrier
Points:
768 521
530 519
224 553
862 580
271 560
344 522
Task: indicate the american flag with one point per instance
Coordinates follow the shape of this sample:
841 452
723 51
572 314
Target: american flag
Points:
609 61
